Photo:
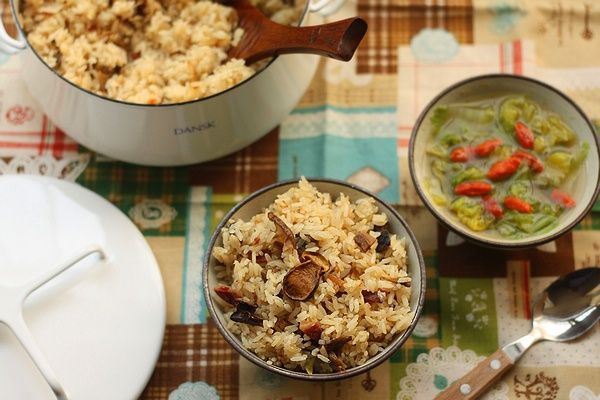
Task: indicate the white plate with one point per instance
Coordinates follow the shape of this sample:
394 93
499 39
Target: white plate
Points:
101 324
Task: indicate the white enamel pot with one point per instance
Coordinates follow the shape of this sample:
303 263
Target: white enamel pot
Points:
167 135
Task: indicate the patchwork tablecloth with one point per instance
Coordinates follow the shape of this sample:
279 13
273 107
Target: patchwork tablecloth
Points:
354 124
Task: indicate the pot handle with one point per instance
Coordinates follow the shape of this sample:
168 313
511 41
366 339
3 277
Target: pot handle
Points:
325 7
8 44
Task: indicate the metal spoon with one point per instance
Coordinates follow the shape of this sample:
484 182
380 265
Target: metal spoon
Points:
567 309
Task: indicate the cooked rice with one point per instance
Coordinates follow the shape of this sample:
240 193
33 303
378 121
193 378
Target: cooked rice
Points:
329 226
144 51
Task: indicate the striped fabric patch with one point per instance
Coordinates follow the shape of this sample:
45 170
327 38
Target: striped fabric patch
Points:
193 307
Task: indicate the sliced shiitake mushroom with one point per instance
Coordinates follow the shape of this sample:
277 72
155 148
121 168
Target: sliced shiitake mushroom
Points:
364 241
383 241
336 280
284 234
228 294
370 297
301 281
244 314
316 258
336 344
312 329
300 244
337 364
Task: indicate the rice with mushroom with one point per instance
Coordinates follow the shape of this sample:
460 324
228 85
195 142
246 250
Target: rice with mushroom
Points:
144 51
361 300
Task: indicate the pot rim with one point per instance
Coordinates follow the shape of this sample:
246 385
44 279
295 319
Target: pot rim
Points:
372 362
17 21
473 237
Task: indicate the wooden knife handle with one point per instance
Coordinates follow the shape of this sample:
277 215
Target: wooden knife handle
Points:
480 379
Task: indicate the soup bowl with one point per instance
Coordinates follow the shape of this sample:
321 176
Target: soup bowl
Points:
585 186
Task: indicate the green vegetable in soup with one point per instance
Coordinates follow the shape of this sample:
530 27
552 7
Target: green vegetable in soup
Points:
559 131
514 109
434 189
471 213
440 116
580 156
560 160
478 115
520 188
438 150
451 139
469 174
539 144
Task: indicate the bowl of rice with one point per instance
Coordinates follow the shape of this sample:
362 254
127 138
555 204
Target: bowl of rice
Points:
316 280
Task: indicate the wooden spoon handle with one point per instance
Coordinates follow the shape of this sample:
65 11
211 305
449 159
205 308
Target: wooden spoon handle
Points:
337 40
480 379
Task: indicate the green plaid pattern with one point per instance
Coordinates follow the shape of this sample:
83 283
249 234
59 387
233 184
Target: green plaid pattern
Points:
417 345
127 185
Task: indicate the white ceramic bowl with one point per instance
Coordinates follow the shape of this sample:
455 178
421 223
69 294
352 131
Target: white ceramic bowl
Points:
588 181
256 203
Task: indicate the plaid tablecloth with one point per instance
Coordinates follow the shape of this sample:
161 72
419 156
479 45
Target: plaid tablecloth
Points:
354 123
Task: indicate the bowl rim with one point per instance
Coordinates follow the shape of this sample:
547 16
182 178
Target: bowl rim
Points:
518 244
371 362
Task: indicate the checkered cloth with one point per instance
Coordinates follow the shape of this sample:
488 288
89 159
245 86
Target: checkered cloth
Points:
354 122
393 23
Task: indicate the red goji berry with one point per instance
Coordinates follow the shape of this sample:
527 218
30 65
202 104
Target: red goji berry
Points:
485 149
504 169
459 154
524 135
517 204
492 206
563 199
534 163
474 188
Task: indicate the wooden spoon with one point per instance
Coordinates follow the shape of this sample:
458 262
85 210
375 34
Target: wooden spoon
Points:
264 38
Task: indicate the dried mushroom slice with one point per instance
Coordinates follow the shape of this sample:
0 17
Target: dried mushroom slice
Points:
312 329
244 314
336 280
383 241
228 294
317 259
336 344
364 241
370 297
301 281
405 281
284 234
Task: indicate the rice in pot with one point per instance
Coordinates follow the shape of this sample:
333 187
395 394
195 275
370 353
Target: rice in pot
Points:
144 51
361 300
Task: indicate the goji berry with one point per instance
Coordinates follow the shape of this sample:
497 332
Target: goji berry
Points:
504 169
563 199
524 135
517 204
534 163
473 188
459 154
486 148
492 206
